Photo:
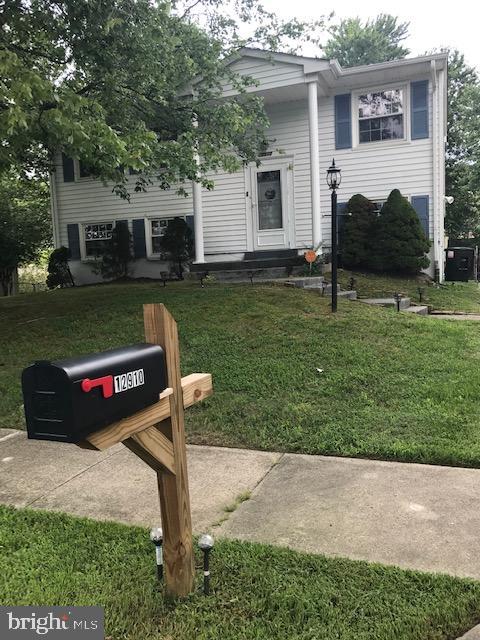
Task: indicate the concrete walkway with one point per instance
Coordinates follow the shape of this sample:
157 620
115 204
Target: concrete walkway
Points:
415 516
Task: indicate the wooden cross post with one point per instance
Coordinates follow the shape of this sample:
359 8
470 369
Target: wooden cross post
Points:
157 436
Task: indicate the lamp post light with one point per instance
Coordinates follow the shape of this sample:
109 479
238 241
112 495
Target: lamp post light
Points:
334 179
206 543
156 536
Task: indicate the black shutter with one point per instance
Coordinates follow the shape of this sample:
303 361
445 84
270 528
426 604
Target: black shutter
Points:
139 245
419 107
68 169
73 235
343 121
421 206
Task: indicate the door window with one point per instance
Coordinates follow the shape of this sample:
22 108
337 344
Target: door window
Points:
269 194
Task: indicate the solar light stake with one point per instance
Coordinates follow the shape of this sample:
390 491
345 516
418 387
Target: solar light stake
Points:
156 536
206 543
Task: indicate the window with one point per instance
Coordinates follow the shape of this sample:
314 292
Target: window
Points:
380 116
269 195
97 236
84 171
378 205
157 229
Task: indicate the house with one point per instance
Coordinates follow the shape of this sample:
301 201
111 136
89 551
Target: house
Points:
385 124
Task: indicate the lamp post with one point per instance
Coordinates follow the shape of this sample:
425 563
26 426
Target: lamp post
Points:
334 179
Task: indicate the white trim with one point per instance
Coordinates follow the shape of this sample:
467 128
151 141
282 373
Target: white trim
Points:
54 210
148 235
76 172
249 226
381 144
284 164
314 163
83 247
438 204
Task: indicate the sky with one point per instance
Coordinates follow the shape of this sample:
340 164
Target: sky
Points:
432 24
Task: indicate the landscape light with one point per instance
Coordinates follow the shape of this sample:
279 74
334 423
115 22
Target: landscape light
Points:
156 536
206 542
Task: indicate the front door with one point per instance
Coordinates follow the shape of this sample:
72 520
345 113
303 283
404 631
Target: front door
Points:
272 205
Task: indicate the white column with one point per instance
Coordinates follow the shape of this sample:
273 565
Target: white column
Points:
198 214
314 163
198 222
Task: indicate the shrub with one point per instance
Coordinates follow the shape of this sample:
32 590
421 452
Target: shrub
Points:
177 243
399 243
59 274
117 255
356 236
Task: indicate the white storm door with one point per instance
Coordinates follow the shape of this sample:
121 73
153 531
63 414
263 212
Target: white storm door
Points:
272 200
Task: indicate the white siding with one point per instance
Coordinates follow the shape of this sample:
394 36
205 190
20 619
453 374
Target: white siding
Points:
269 75
88 200
375 169
372 170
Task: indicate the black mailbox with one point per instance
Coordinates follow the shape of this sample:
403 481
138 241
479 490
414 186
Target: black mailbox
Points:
69 399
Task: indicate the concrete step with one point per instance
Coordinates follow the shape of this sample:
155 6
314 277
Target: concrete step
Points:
326 287
311 282
387 302
420 310
345 295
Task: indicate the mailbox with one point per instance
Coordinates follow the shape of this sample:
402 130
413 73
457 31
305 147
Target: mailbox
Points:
69 399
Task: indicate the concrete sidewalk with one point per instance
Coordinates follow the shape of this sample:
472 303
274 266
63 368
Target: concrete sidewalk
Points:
415 516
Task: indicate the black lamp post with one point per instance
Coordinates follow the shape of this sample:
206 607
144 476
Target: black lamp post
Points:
334 179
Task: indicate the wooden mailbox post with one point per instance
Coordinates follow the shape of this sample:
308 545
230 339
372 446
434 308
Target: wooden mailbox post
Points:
157 436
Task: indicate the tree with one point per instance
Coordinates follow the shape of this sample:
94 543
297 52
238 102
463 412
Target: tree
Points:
463 147
114 83
356 237
399 243
114 262
24 224
354 43
177 243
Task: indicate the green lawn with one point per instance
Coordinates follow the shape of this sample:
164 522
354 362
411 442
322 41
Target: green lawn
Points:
450 296
259 592
393 386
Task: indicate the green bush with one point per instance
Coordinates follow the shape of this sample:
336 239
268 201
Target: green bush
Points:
398 243
59 274
177 244
356 236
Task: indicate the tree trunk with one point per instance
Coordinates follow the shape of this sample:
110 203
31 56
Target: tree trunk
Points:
9 280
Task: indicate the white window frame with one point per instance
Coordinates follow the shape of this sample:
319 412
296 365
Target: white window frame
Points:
83 241
148 235
379 144
78 177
